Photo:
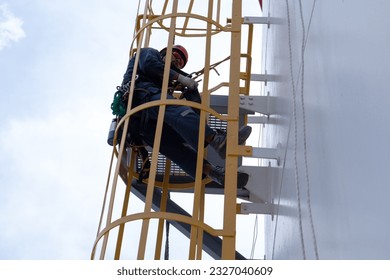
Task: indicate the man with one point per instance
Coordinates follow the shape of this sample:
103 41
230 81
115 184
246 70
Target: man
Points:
179 139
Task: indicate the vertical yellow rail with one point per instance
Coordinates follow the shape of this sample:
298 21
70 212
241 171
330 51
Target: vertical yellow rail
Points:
229 223
157 139
119 161
163 208
196 239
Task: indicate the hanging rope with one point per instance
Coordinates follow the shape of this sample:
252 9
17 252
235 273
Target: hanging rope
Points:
304 128
295 134
307 179
304 41
167 224
196 74
255 234
166 253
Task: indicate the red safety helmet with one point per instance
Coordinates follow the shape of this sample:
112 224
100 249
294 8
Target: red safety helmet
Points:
179 50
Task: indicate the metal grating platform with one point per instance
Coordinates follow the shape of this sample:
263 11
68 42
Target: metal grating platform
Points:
213 122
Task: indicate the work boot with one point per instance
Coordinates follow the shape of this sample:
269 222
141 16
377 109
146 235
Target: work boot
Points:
219 140
217 174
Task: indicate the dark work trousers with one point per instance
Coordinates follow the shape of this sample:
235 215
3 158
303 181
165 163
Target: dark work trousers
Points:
179 139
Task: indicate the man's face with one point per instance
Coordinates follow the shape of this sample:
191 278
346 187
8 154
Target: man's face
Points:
177 60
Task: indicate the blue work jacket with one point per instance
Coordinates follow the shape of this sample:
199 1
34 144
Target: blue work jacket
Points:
150 72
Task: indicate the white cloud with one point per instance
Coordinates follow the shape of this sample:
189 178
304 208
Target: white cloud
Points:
10 27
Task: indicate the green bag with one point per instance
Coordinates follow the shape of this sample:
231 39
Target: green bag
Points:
119 104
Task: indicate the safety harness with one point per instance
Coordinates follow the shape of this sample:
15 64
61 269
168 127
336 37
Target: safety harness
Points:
138 121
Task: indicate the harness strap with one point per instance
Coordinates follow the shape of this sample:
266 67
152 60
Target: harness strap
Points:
145 167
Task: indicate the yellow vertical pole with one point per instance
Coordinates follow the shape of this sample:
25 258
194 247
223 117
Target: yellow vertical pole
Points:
121 231
157 139
248 64
120 154
189 10
163 208
126 199
198 206
229 239
104 201
200 231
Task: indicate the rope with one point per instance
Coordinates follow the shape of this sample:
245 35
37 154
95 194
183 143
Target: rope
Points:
135 26
295 135
302 73
166 253
311 16
254 240
304 41
212 67
118 105
280 191
259 141
167 223
284 162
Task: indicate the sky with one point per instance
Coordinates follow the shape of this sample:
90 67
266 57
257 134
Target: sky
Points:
60 62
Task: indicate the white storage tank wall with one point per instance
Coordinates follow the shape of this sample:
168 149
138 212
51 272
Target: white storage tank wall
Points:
346 96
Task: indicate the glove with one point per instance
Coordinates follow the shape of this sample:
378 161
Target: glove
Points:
188 82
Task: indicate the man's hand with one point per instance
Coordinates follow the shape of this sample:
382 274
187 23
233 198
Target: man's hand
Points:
188 82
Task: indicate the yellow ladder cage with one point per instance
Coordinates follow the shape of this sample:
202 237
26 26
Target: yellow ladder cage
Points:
194 23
